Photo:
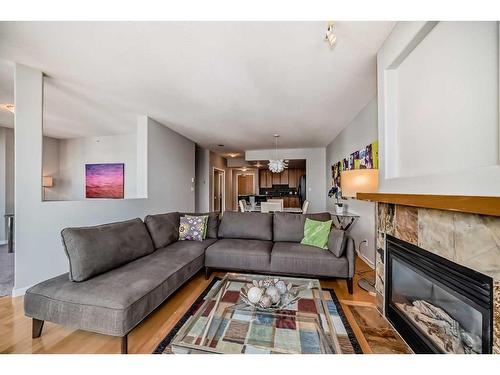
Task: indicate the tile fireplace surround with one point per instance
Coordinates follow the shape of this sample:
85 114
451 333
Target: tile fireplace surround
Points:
467 239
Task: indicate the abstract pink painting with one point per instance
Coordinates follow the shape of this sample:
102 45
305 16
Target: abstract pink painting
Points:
104 180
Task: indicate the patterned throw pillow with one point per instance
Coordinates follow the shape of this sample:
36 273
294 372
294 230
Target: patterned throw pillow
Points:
204 217
191 228
316 233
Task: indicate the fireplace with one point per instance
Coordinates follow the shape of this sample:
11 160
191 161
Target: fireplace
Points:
436 305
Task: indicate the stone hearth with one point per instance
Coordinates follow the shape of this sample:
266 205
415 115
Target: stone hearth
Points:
467 239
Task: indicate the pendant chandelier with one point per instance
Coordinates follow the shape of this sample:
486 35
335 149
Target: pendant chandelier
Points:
277 165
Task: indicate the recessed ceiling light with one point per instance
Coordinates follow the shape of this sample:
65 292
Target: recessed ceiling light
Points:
220 145
8 107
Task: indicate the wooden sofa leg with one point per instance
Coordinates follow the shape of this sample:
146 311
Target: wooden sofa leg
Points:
125 344
37 326
350 285
207 273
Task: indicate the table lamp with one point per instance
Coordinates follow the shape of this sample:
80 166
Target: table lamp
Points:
360 181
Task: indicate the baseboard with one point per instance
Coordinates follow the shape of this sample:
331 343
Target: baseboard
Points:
18 292
367 261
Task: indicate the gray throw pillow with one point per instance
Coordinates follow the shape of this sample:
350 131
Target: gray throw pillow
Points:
336 242
163 228
94 250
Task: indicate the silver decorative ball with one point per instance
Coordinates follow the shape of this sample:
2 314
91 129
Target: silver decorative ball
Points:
281 286
266 301
274 293
254 294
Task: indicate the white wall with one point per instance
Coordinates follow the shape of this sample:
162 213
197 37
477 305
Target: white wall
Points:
39 254
360 132
438 109
315 170
76 152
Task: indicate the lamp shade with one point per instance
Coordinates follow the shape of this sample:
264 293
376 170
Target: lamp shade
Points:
47 181
358 181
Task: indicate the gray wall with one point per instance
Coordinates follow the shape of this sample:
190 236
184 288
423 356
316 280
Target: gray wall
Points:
361 131
202 180
39 254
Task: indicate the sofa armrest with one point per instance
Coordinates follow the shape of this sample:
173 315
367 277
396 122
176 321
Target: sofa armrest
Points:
350 253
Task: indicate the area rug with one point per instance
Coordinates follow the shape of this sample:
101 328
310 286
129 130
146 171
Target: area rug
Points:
348 342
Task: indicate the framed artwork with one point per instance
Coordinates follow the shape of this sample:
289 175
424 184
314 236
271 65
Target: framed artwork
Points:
104 180
366 158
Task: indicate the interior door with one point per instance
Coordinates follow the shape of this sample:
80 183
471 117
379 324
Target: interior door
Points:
218 190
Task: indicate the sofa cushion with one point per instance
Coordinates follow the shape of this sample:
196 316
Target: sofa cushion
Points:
213 222
294 258
164 228
289 227
336 242
94 250
115 302
247 225
238 254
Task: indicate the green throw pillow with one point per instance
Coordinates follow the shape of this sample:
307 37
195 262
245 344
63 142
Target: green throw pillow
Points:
316 233
205 219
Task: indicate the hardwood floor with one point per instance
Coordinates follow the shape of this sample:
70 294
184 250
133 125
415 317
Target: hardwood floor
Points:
15 328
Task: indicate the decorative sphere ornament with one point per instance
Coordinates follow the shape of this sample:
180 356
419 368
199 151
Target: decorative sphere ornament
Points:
254 294
274 293
281 286
266 301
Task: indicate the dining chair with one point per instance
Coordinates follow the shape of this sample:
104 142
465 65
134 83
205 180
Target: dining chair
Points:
276 200
270 207
305 206
242 205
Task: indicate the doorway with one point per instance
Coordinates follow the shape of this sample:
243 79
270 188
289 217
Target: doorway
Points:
219 190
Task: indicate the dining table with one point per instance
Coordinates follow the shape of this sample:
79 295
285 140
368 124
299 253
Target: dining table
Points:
293 210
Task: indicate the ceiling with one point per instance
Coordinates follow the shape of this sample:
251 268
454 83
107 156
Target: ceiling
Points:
231 83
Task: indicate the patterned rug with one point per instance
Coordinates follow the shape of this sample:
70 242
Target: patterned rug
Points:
348 342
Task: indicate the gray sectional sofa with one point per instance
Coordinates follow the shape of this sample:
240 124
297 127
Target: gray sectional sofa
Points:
121 272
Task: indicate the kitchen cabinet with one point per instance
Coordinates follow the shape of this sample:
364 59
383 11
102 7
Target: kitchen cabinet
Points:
292 201
288 177
292 178
262 179
269 179
276 178
284 177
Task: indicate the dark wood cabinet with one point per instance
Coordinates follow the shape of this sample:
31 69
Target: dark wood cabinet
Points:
276 178
269 179
284 177
262 179
292 178
292 201
288 177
